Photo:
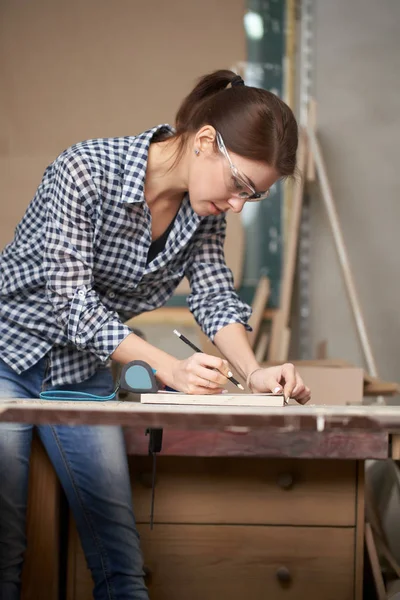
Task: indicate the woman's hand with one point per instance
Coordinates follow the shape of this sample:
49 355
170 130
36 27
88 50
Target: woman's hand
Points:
281 379
195 375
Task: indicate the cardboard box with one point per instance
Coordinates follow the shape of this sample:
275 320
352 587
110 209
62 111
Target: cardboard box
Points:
330 385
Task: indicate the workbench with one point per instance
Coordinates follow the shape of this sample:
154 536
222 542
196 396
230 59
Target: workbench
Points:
250 502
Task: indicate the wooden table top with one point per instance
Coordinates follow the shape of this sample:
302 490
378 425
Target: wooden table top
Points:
311 431
288 418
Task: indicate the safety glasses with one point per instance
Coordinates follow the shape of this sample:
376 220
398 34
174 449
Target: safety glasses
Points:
239 186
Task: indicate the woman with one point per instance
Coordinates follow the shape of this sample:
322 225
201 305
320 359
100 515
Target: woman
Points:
114 226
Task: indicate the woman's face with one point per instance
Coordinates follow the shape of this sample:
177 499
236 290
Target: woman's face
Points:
217 184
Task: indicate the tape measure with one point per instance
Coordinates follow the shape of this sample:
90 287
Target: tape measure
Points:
136 376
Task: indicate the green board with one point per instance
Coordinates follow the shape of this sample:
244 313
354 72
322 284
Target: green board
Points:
263 222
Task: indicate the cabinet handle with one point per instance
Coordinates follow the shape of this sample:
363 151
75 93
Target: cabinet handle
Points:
283 575
285 481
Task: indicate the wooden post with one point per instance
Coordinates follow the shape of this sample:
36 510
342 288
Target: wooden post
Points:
327 197
280 321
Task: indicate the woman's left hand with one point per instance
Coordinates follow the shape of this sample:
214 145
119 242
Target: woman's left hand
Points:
281 379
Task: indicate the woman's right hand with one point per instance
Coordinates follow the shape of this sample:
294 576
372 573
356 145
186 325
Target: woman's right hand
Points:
195 375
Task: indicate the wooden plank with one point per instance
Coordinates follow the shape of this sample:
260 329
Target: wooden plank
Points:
261 347
261 492
227 400
381 388
322 350
281 320
284 345
175 315
236 562
331 210
40 572
258 307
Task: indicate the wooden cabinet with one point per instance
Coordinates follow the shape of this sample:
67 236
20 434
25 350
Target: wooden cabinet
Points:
244 527
246 490
41 565
236 562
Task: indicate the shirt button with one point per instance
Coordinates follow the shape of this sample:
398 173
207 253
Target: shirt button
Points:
81 294
111 294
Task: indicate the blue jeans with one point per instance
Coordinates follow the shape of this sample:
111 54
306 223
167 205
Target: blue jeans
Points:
92 467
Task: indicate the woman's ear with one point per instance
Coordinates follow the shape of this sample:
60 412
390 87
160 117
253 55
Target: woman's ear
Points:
204 139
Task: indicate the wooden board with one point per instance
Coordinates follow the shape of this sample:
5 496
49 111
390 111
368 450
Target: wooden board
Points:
258 306
175 316
213 399
281 320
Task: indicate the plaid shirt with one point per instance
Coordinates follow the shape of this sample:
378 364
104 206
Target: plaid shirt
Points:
77 267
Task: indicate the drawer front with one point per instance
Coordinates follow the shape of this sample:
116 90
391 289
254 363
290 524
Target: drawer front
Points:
246 490
236 562
197 562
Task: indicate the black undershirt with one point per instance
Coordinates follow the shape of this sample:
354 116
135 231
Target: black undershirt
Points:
159 244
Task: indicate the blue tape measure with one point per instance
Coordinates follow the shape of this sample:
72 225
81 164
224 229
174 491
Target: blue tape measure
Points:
136 376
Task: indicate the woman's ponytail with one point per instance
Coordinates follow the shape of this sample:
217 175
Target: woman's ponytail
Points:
207 86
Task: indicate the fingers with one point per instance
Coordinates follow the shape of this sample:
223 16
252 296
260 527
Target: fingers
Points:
304 397
294 385
198 385
289 375
213 362
203 374
209 375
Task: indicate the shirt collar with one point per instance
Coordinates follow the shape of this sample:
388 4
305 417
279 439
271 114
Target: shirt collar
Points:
136 164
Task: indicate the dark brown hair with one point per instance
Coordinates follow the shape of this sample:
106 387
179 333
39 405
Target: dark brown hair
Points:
253 122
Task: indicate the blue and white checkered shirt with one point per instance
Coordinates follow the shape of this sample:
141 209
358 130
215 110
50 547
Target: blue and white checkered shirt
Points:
77 267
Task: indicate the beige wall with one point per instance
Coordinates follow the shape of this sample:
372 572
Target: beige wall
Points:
358 94
76 69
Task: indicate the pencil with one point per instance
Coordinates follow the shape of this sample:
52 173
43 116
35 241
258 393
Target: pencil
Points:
196 349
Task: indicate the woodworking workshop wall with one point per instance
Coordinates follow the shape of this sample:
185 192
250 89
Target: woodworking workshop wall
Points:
75 70
358 94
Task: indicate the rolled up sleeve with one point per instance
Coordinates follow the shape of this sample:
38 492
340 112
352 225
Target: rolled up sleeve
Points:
68 262
213 300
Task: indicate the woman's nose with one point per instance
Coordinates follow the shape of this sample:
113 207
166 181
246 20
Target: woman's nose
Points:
236 204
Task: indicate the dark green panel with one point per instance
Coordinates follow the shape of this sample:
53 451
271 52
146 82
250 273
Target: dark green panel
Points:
263 222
